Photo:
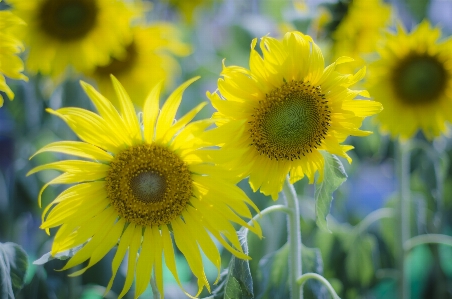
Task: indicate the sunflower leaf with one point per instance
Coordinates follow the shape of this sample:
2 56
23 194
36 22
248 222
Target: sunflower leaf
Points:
273 280
236 281
13 266
60 256
334 176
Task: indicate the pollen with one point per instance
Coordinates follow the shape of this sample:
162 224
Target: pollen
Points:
149 185
290 122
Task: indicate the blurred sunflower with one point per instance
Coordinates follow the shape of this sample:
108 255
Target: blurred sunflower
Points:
147 60
355 27
80 33
144 185
187 8
10 64
285 110
413 80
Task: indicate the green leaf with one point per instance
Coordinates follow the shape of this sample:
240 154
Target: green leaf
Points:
60 256
312 262
13 267
418 8
334 176
359 263
274 273
236 282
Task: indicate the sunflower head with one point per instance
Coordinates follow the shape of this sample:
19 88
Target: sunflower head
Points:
64 33
275 117
144 186
148 59
354 28
413 80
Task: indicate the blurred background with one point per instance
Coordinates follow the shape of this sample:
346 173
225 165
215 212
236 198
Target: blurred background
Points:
197 37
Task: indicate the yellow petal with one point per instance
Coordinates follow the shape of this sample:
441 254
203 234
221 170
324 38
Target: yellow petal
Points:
120 252
76 148
108 111
169 109
127 111
145 263
181 123
98 234
150 112
132 260
110 240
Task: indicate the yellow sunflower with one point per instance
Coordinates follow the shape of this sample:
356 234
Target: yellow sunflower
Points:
285 110
359 30
148 59
80 33
10 64
413 80
187 8
145 185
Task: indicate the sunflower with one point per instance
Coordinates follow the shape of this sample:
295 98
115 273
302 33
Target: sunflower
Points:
148 59
80 33
187 8
285 110
144 186
357 27
413 80
10 64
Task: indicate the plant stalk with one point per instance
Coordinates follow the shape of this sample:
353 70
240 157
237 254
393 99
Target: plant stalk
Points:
294 239
404 208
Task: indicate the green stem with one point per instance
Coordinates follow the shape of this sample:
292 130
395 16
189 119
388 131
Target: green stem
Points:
372 218
303 278
155 289
403 171
294 234
427 239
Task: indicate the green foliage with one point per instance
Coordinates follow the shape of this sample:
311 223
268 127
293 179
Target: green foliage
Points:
274 274
359 264
236 282
13 267
418 8
334 176
273 277
60 256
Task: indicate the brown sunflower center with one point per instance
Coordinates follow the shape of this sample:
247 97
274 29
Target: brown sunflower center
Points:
119 65
291 121
149 185
419 78
68 20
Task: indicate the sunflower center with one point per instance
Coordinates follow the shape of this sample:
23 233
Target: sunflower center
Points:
420 79
148 185
291 121
68 20
122 65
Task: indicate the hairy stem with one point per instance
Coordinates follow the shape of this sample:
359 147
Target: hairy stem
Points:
294 239
305 277
403 172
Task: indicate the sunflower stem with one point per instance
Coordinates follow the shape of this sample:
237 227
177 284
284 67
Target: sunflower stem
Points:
294 239
403 171
305 277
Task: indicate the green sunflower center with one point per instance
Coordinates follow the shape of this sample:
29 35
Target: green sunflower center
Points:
420 79
291 121
68 20
149 185
118 66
